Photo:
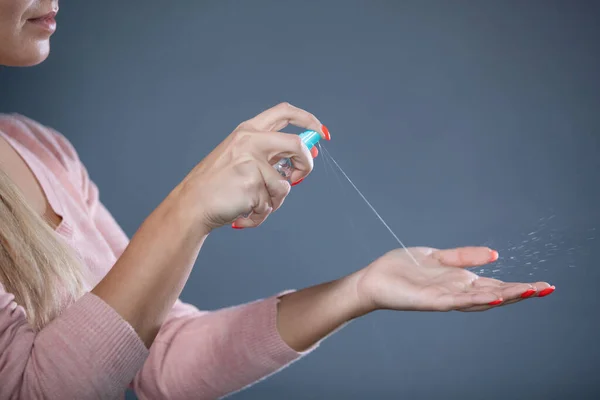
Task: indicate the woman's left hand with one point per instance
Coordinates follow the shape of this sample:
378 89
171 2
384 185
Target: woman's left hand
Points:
439 283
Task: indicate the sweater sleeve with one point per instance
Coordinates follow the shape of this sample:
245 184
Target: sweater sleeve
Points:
197 354
201 355
88 352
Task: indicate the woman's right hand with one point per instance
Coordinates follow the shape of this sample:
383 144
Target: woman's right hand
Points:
238 177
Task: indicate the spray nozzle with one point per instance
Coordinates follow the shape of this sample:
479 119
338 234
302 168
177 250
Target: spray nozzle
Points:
310 138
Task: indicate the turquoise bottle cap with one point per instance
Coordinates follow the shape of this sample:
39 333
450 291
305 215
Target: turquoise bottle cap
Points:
310 138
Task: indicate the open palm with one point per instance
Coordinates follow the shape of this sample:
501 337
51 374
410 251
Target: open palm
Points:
440 282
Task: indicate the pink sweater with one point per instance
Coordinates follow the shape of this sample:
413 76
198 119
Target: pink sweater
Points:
89 351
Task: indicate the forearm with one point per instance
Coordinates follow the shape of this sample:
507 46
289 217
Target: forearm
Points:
149 276
208 355
307 316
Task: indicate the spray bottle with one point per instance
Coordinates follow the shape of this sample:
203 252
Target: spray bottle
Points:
285 166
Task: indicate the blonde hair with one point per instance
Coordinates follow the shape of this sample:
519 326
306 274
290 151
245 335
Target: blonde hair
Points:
36 266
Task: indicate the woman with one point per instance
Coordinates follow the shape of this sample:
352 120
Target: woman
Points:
85 313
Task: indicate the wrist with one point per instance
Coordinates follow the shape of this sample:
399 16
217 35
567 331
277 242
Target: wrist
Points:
182 205
358 304
309 315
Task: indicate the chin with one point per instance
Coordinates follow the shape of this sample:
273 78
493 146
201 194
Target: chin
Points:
29 57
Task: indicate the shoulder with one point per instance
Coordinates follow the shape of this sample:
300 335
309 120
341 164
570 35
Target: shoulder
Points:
50 146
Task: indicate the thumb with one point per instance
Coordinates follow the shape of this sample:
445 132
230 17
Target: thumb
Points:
465 257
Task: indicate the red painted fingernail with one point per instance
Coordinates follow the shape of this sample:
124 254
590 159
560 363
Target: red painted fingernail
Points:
494 255
314 152
297 182
234 226
527 293
495 302
326 132
546 291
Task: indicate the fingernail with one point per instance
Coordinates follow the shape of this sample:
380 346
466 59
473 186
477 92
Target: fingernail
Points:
527 293
297 182
495 302
494 256
314 152
326 132
546 291
234 226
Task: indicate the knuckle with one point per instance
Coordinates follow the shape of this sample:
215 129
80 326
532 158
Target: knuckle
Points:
246 165
239 134
242 126
297 143
279 191
313 118
310 163
285 106
246 169
286 188
240 142
267 207
248 185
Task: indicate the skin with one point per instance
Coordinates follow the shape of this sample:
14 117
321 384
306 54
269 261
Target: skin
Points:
237 178
22 43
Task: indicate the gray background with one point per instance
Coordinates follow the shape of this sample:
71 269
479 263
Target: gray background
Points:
465 122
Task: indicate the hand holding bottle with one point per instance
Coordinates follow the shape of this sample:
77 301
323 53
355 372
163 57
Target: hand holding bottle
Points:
238 177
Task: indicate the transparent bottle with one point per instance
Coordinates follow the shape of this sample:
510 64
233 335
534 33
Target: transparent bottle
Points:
285 167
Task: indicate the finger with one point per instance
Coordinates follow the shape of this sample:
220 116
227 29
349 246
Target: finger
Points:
542 289
269 196
483 281
507 290
509 302
277 187
533 289
284 114
516 291
423 251
273 146
477 308
453 301
490 306
257 215
465 257
258 199
537 289
314 152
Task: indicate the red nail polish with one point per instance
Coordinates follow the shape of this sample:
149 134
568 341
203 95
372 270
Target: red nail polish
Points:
546 291
326 132
495 302
494 255
527 293
234 226
297 182
314 152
